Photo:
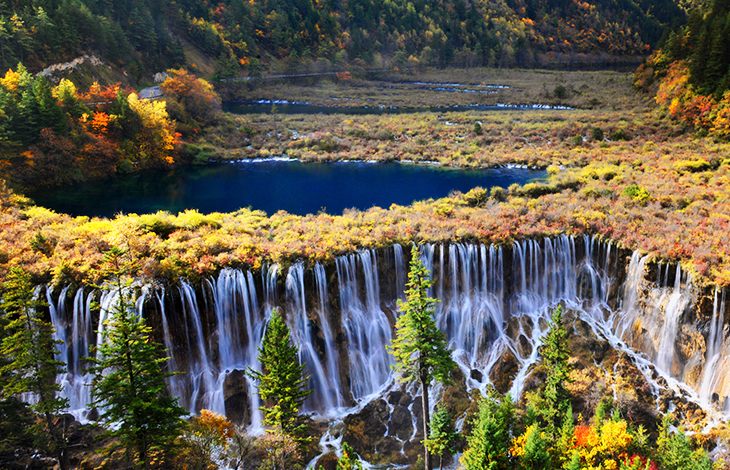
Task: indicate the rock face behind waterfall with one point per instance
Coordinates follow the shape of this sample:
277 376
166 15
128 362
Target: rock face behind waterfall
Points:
641 332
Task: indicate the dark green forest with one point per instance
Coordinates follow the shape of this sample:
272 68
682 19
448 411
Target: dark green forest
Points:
147 36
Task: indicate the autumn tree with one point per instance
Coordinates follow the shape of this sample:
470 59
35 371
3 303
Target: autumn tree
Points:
128 385
29 357
197 96
281 452
156 139
420 348
281 383
206 441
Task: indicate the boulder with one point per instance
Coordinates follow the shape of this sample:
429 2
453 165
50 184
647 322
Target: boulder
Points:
236 399
401 423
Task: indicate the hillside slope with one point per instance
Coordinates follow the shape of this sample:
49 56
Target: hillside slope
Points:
143 37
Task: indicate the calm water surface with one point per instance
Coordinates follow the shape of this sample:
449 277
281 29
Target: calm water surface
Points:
298 188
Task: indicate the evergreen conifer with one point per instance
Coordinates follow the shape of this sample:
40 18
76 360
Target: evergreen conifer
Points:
442 440
489 442
420 348
555 354
29 357
282 385
129 385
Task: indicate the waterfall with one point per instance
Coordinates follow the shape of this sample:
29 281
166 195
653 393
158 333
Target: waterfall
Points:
470 311
674 308
200 370
323 394
715 360
401 277
175 382
495 303
366 327
330 349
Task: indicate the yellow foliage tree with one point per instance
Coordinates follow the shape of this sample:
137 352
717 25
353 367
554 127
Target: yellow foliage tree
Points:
10 80
721 118
157 140
602 447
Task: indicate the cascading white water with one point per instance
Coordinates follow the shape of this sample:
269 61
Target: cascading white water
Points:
175 382
200 369
715 360
330 348
323 396
674 308
366 327
493 301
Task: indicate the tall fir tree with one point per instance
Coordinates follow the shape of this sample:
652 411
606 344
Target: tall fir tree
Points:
128 384
29 352
420 348
443 437
489 442
555 355
282 384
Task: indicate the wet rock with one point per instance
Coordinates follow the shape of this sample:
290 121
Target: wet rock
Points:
401 423
413 449
417 411
390 447
406 400
692 373
504 372
476 375
365 430
394 397
236 399
327 462
524 347
535 380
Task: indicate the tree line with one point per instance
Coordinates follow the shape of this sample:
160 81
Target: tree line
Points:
148 36
690 72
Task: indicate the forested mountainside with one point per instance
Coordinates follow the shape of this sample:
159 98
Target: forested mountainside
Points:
690 73
143 37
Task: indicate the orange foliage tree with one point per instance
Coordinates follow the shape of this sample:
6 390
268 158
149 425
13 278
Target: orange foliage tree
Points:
196 95
206 441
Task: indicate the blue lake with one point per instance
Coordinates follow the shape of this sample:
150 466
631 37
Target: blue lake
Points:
271 185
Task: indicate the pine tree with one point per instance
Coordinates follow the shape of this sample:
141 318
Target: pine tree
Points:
29 351
489 442
674 450
420 348
282 383
555 354
442 440
128 385
536 455
50 114
349 460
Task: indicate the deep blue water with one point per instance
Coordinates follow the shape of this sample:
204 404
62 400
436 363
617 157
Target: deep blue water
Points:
298 188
